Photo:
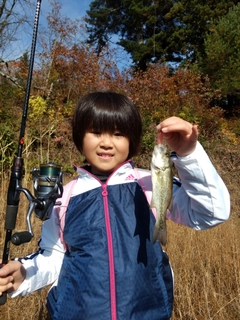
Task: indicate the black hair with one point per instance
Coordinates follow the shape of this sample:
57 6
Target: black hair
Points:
107 112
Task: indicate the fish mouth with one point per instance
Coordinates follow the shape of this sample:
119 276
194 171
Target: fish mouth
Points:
160 148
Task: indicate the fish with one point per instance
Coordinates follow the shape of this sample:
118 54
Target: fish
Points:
162 182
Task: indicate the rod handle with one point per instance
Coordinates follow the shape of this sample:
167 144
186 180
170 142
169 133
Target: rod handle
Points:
3 297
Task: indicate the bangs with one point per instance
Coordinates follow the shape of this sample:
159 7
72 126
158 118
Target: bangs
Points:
108 121
108 113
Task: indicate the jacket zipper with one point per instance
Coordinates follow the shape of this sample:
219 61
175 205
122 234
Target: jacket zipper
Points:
110 254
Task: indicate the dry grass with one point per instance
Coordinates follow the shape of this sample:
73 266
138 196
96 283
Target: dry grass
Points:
207 272
206 263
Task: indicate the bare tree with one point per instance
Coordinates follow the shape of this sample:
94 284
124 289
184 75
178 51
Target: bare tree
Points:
15 16
16 20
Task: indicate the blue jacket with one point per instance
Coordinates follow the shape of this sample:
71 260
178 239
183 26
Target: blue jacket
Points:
111 269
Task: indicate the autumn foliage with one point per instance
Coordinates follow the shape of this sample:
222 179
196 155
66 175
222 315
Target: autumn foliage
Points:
70 72
66 68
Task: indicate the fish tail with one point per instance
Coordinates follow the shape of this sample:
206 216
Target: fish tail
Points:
159 235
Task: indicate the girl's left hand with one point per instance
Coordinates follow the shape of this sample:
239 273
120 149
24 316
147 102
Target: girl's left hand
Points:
180 135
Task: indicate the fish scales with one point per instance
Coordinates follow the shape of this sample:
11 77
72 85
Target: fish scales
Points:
161 172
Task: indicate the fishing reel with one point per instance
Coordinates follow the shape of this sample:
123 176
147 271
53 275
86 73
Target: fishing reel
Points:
48 186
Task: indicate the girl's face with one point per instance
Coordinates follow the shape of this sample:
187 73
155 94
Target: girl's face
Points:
105 151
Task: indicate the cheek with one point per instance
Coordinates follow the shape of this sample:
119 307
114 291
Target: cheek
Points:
126 148
86 150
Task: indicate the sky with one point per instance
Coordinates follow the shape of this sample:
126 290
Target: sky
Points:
72 9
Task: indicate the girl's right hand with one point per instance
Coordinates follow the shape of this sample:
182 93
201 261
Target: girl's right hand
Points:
181 136
11 276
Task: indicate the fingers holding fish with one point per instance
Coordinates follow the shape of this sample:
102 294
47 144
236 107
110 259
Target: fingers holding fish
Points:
180 135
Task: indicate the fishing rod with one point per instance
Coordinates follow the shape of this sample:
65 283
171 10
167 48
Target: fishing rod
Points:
47 179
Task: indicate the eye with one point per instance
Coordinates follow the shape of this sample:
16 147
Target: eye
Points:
96 133
118 134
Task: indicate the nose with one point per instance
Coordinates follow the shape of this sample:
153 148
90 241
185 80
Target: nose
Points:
106 141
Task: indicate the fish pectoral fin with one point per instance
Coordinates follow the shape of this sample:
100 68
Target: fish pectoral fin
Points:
159 235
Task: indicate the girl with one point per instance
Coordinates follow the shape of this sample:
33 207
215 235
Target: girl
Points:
99 253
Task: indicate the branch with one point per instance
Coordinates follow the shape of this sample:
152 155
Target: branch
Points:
12 80
4 75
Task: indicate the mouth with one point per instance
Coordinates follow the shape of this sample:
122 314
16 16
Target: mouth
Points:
105 155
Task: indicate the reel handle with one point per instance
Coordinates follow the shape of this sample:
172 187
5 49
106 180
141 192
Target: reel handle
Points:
21 237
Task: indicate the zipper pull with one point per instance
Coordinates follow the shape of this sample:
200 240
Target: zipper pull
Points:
104 192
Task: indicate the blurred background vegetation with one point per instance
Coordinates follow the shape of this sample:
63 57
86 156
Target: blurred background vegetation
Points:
185 62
